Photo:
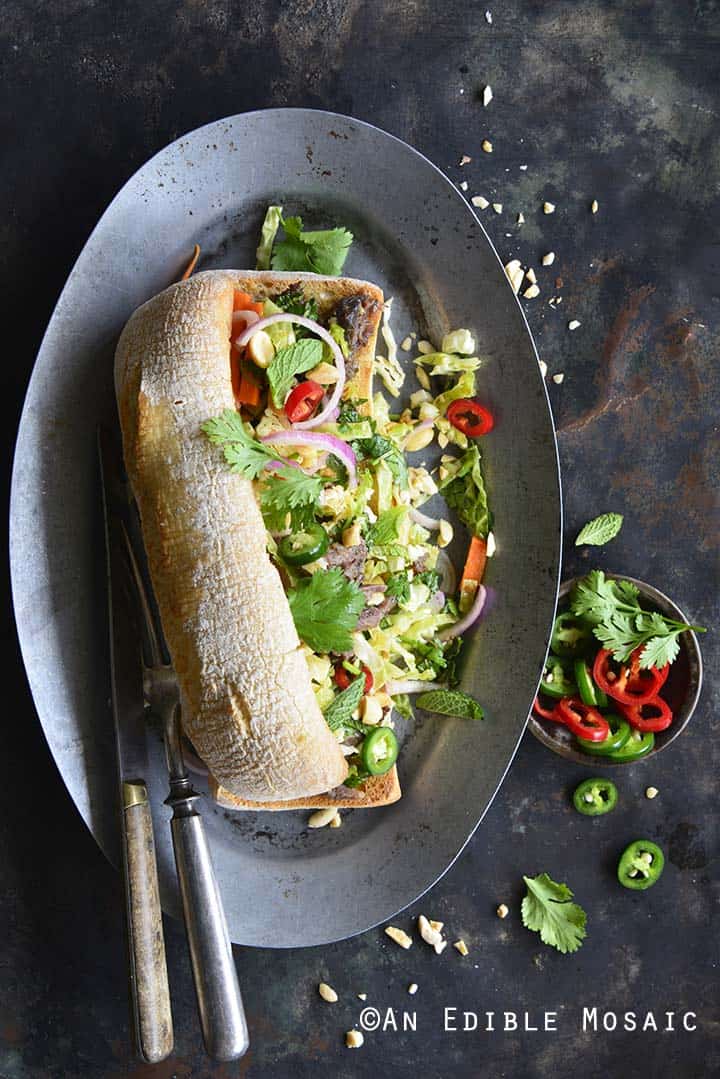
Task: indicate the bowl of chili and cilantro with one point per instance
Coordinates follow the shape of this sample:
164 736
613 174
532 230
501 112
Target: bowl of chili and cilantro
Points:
623 673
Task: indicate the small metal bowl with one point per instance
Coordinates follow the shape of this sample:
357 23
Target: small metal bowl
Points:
681 691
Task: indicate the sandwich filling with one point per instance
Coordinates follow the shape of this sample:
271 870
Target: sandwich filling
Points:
339 477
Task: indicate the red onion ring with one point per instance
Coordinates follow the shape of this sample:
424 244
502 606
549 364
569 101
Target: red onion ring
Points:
314 327
431 523
470 618
437 601
243 318
318 441
448 576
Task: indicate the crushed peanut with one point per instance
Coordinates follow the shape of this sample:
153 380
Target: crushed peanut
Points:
548 207
488 18
497 207
547 260
463 185
461 947
322 817
490 545
351 536
531 276
594 206
531 292
399 936
543 368
573 324
515 274
370 708
406 344
327 993
652 792
487 146
521 218
425 347
431 935
336 822
445 533
480 202
419 439
354 1039
362 996
422 376
502 911
557 379
465 160
487 96
412 988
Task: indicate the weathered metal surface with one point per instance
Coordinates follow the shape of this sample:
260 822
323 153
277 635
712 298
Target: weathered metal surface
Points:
612 101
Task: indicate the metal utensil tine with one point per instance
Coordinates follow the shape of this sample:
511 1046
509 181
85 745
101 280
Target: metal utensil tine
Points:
157 658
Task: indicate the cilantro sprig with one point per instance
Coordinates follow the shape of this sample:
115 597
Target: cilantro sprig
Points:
325 609
321 251
618 621
242 452
288 491
547 910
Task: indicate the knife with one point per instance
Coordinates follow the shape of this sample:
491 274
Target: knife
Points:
146 944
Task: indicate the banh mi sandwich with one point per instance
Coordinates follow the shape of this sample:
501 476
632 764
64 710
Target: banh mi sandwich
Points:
302 592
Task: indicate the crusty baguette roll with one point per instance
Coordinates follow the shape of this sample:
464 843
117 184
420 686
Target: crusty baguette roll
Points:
375 791
248 704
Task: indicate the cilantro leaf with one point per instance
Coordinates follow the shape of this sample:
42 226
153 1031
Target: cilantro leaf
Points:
613 610
547 910
600 530
379 448
464 491
399 587
321 251
339 712
325 609
289 491
291 361
349 414
450 702
242 452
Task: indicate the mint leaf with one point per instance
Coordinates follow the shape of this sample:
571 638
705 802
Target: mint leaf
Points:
339 712
547 910
600 530
450 702
386 528
243 453
291 361
464 491
325 609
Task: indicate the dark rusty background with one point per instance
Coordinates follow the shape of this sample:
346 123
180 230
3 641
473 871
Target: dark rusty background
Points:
609 99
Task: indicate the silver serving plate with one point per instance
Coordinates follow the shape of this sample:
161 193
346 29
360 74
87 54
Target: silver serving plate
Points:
283 885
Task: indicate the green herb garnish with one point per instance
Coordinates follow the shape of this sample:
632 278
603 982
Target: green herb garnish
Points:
325 609
464 491
323 251
618 621
450 702
291 361
288 491
547 910
600 530
339 712
242 452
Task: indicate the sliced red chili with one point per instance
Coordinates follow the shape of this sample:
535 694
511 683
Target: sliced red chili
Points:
303 400
343 678
582 719
546 713
654 715
470 417
631 683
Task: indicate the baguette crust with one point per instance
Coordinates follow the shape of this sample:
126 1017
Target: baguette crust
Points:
376 791
248 704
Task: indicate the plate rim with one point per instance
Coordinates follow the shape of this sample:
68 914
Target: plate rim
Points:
17 464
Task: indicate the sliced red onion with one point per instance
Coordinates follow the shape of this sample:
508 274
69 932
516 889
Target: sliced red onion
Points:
412 685
314 327
274 466
458 628
241 320
437 601
318 441
446 570
431 523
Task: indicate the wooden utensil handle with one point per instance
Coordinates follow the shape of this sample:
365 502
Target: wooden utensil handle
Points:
148 969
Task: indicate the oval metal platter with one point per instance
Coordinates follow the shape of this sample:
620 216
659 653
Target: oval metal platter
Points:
284 885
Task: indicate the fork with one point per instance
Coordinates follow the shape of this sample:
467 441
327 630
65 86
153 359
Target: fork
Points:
222 1017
